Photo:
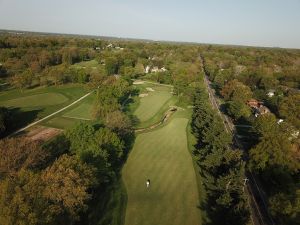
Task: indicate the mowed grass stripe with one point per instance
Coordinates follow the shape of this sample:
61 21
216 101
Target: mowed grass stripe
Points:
163 157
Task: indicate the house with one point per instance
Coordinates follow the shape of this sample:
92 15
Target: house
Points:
119 48
253 103
271 93
163 69
147 70
259 108
261 111
157 70
109 46
279 121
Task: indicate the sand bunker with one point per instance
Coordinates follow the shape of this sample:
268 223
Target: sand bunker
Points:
138 82
143 95
149 89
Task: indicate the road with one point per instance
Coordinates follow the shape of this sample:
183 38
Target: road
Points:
258 206
52 114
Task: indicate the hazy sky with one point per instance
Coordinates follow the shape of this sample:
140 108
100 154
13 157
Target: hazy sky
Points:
245 22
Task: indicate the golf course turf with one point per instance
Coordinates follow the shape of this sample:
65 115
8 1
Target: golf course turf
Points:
150 104
43 99
162 156
152 107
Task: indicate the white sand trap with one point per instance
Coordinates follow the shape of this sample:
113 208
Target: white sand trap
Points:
138 82
149 89
143 95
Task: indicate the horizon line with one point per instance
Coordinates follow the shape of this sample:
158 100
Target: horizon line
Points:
2 30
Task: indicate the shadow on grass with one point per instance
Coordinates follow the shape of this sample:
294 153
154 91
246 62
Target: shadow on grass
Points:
19 119
108 206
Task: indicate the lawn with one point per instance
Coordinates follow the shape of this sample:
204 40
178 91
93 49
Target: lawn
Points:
82 111
61 122
33 104
150 109
88 65
162 156
37 100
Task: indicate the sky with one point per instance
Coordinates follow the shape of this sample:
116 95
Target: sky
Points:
269 23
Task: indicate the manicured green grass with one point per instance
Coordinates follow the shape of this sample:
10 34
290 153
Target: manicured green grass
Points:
88 65
82 110
33 104
61 122
44 99
163 157
150 109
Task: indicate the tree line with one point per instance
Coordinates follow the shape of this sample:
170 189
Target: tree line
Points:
221 167
68 180
271 141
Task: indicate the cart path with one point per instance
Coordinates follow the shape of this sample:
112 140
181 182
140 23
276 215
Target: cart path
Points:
52 114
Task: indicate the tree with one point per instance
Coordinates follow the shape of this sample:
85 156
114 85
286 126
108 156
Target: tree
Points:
111 65
268 81
118 121
273 150
97 79
101 148
57 74
289 108
20 153
236 91
139 69
57 195
67 184
23 80
237 109
22 201
5 120
284 205
266 125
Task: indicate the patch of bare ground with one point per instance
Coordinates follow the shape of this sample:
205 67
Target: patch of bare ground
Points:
41 133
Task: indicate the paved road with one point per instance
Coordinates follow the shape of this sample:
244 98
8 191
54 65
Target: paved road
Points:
259 212
52 114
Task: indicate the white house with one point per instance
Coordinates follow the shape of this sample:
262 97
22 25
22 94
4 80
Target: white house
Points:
155 69
271 93
163 69
279 121
147 70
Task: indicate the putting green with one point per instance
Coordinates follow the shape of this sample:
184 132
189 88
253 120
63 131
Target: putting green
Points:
163 157
44 99
152 103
